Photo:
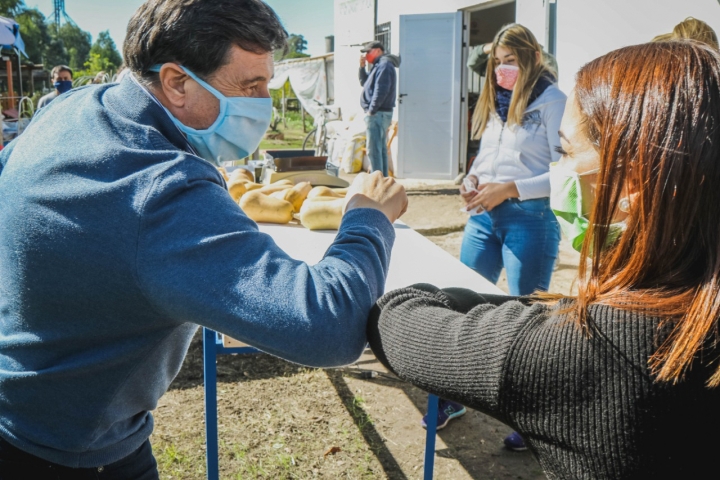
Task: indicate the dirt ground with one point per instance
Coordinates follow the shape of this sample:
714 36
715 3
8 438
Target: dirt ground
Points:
278 420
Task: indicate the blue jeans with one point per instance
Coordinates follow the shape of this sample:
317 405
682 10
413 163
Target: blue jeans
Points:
523 237
17 464
377 126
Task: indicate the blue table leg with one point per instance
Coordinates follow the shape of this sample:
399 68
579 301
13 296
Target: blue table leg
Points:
432 414
211 420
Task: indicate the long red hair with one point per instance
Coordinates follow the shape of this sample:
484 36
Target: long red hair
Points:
653 113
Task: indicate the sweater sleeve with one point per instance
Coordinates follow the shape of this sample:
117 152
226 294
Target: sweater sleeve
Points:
454 343
362 76
202 260
539 186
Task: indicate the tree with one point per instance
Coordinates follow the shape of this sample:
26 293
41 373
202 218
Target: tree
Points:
77 42
297 44
104 47
296 48
55 52
35 34
42 44
10 8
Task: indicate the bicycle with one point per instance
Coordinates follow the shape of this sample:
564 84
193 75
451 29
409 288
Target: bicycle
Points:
317 137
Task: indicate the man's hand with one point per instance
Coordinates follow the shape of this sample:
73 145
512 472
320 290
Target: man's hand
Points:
378 192
490 195
363 62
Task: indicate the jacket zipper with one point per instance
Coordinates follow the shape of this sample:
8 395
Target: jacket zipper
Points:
497 155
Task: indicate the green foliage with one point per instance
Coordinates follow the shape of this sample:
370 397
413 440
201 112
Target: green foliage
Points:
68 45
295 55
297 43
35 34
77 42
104 47
10 8
296 48
277 95
93 66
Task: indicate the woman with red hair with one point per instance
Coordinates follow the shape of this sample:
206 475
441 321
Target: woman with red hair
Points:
621 380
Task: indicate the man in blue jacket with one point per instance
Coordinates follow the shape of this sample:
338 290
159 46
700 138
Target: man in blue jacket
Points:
118 237
378 100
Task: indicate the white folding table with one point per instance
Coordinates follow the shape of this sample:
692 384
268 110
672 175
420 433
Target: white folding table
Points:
415 259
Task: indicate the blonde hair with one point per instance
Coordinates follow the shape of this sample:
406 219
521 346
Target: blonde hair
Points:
694 29
526 49
664 37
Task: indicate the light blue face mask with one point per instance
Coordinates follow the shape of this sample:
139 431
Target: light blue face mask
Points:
237 131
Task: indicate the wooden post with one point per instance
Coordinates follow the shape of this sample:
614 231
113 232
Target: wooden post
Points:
283 107
32 82
11 94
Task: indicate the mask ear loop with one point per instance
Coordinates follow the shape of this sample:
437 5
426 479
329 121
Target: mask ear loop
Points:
578 186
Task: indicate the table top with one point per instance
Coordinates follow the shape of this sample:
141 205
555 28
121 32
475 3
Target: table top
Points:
414 259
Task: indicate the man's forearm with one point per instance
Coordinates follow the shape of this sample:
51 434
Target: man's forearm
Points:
362 75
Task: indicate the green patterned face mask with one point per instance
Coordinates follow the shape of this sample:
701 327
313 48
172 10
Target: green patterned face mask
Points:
566 204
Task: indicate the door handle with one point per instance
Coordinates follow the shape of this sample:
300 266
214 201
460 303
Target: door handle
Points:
402 95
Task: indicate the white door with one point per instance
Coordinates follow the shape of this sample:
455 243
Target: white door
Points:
429 95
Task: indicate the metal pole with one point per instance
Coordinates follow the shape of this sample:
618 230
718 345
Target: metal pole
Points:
302 112
283 107
552 27
19 73
211 416
431 431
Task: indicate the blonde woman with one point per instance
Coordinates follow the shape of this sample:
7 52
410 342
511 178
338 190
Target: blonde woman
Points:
507 188
506 191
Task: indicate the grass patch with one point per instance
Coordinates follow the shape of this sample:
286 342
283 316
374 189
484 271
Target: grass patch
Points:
293 134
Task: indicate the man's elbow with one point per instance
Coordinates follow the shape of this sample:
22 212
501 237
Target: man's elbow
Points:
345 353
337 352
337 340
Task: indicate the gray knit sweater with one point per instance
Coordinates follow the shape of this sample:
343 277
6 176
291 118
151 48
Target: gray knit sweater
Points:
586 405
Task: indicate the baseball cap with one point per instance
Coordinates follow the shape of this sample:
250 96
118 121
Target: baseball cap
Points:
370 45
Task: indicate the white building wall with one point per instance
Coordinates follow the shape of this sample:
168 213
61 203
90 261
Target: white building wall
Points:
347 86
533 14
390 11
354 24
588 29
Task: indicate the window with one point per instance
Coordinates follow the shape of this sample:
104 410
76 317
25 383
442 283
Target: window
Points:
382 35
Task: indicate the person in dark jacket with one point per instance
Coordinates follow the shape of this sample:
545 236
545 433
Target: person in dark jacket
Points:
622 379
378 100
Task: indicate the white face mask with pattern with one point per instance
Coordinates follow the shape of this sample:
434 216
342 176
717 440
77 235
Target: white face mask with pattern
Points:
507 76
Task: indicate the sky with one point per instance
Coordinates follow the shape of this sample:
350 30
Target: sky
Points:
311 18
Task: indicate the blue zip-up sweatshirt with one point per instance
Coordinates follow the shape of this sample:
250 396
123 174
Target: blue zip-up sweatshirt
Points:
115 244
380 85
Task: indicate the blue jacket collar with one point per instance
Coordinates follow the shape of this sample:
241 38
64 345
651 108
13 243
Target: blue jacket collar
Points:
132 102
